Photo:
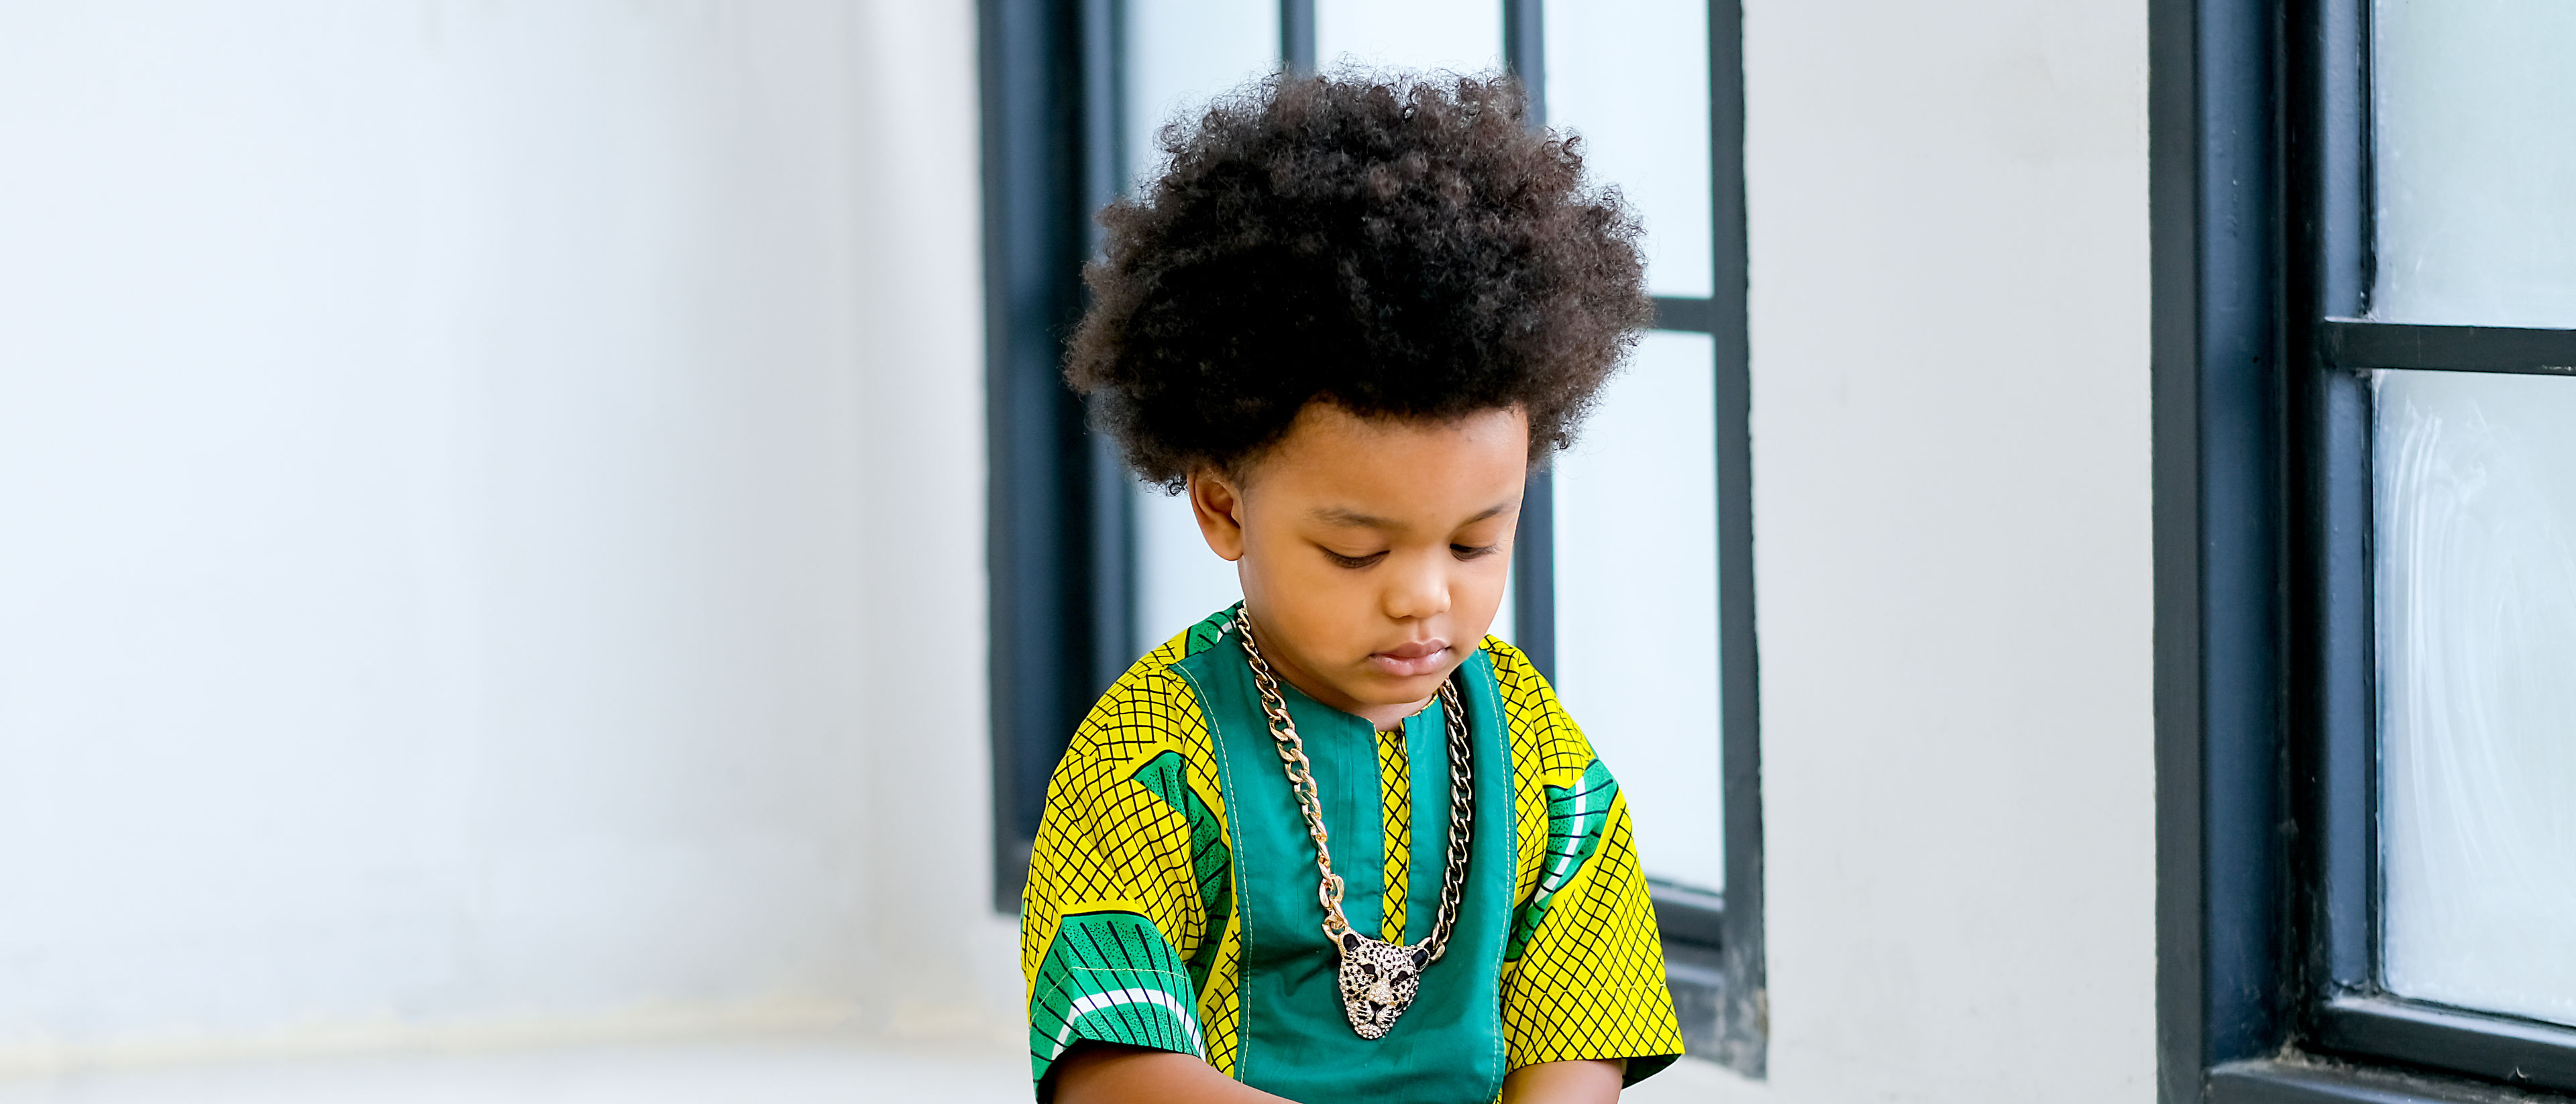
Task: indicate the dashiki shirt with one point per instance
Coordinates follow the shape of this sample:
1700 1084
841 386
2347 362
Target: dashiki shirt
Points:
1171 899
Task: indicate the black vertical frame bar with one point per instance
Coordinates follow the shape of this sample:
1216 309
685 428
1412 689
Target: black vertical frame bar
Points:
1525 51
2331 604
2174 231
1743 1029
1044 539
2214 195
1297 35
1111 491
1534 540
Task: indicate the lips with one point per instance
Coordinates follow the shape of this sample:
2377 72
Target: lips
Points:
1420 657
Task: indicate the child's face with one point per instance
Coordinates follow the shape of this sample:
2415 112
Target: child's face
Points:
1372 550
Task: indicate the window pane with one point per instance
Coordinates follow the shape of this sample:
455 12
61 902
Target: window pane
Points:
1636 599
1178 580
1631 76
1464 36
2476 535
1182 53
2476 151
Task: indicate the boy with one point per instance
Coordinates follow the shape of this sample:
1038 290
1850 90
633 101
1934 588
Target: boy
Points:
1336 843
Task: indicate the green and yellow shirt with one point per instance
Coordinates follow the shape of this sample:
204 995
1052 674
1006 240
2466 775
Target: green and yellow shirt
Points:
1171 899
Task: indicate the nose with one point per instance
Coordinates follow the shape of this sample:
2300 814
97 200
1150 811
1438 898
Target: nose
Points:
1419 589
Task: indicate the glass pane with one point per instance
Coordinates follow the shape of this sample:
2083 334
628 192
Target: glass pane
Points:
2476 534
1631 76
1463 36
2476 151
1182 53
1178 579
1636 599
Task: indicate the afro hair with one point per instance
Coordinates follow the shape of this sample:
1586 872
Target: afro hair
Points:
1398 247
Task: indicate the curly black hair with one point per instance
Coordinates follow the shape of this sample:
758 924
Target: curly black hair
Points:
1398 247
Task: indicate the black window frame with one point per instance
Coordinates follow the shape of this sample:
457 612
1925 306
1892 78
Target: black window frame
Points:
1060 536
2266 703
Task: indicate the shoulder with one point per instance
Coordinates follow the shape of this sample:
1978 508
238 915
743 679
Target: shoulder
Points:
1513 669
1546 743
1148 691
1149 711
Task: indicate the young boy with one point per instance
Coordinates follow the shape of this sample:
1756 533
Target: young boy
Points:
1336 844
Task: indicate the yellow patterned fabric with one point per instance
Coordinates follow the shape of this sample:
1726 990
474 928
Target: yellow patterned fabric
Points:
1395 817
1109 841
1588 981
1129 933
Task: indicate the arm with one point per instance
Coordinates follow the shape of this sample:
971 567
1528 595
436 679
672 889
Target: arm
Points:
1583 970
1127 886
1584 1082
1100 1073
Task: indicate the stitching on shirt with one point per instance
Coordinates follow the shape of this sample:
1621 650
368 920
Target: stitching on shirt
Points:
1234 867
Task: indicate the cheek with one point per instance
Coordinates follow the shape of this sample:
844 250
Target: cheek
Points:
1289 578
1483 587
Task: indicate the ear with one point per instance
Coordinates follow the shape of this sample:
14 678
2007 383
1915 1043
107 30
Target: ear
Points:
1351 940
1421 957
1218 504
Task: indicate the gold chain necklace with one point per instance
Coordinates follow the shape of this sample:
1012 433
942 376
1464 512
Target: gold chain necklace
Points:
1378 978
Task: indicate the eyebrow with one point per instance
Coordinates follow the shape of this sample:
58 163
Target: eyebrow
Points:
1342 515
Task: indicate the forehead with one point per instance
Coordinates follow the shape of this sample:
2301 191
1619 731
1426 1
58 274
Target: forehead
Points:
1341 468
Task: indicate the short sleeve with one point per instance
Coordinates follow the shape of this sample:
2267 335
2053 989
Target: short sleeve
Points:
1128 889
1584 963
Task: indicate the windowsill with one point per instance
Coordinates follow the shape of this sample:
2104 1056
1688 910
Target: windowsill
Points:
2315 1082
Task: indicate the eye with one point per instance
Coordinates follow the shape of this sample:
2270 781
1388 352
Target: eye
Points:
1353 562
1473 552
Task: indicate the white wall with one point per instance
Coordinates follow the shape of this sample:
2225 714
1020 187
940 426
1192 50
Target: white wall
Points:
459 464
1950 447
946 963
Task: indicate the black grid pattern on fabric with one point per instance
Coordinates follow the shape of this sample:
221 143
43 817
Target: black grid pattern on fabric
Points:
1590 982
1575 819
1167 776
1108 841
1395 813
1547 749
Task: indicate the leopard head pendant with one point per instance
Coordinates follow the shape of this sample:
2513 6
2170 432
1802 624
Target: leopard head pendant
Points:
1379 980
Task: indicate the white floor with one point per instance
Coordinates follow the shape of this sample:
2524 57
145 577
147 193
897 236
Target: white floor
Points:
757 1070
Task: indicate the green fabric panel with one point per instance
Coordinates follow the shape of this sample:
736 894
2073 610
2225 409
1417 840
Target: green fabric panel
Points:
1167 776
1576 817
1353 814
1110 977
1448 1047
1209 630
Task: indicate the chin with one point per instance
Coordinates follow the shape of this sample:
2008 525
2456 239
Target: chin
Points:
1402 690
